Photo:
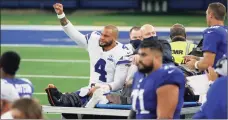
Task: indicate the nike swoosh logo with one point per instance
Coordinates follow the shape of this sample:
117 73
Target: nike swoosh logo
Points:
170 71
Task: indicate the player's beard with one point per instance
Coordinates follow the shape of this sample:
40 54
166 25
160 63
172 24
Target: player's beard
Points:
106 44
145 68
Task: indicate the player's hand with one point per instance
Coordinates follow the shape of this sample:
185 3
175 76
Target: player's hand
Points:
211 74
114 99
191 64
187 58
129 83
136 59
58 8
92 90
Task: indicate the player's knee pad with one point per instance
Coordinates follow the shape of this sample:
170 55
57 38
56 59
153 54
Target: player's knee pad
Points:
74 100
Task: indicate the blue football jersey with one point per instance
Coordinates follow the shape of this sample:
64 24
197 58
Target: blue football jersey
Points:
215 41
216 105
23 86
144 97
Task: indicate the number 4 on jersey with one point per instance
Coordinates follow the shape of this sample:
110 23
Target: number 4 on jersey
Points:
100 68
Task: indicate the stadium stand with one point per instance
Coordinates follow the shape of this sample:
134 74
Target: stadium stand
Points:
68 4
110 4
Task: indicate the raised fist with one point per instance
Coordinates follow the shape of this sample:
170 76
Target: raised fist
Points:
58 8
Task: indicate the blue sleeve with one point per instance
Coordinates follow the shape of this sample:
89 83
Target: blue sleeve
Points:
210 41
216 105
174 76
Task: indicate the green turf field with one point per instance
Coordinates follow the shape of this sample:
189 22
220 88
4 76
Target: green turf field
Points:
53 68
98 19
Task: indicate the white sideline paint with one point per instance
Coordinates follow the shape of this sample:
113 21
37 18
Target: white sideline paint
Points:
40 45
53 76
53 60
87 28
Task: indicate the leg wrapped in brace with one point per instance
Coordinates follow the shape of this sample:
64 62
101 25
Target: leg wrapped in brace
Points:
56 98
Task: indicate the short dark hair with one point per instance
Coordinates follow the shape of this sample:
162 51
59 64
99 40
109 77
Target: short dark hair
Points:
218 10
177 30
10 62
134 28
152 44
178 38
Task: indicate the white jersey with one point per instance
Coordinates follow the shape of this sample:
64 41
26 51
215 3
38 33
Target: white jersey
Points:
106 67
22 85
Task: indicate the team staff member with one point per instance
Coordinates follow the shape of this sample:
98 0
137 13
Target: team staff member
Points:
158 90
149 33
214 39
180 47
135 38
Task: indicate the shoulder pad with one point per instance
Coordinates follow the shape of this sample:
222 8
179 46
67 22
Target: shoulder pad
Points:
124 60
214 27
211 29
96 33
169 66
26 80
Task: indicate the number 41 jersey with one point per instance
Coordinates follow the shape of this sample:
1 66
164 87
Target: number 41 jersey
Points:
105 64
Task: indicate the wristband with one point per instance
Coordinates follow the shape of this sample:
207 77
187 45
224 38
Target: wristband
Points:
61 16
196 63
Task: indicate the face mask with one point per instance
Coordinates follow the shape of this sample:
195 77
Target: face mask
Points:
135 43
151 38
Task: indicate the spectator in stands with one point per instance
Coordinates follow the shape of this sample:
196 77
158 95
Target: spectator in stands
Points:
8 95
180 47
216 105
27 108
214 39
149 33
9 64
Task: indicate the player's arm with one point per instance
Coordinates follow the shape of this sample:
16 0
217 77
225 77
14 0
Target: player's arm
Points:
167 99
130 74
119 77
68 28
168 93
208 60
209 48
